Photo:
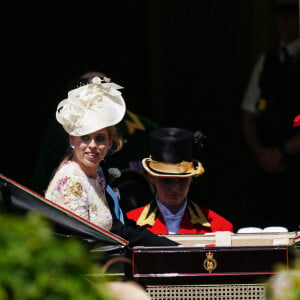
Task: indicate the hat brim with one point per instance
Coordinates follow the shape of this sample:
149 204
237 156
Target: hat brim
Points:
190 169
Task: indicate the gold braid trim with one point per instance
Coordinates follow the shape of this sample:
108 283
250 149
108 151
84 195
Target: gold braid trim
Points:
198 217
146 219
134 124
183 167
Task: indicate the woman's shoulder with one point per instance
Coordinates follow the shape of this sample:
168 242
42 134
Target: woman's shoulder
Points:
70 168
69 173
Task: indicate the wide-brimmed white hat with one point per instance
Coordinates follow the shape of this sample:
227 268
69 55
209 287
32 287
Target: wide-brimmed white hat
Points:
91 107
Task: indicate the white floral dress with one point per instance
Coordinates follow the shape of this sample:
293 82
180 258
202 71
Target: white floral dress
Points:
82 195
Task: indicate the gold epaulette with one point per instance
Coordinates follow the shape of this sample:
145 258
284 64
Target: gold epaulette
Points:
196 215
134 123
147 216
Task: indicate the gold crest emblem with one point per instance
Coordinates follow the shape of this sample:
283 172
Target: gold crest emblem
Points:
209 263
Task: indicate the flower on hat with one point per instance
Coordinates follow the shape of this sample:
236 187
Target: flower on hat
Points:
296 121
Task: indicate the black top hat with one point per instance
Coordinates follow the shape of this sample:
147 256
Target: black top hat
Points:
172 154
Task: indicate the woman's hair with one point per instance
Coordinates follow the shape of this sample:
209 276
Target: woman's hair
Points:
117 140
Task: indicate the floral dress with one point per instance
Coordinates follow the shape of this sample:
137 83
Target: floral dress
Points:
82 195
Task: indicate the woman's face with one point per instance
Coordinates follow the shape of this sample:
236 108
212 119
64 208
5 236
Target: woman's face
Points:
90 149
172 191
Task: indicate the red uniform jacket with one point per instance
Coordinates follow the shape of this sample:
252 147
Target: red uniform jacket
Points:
196 219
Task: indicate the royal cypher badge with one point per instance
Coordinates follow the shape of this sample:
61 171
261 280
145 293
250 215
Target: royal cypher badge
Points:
209 263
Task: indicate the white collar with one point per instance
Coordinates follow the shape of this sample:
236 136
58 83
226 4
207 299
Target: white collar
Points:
172 220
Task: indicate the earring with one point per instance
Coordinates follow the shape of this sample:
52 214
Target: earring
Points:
72 146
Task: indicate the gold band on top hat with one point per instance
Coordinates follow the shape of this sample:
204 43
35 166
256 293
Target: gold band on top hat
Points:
184 168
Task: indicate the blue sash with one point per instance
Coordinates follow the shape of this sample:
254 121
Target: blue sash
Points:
118 210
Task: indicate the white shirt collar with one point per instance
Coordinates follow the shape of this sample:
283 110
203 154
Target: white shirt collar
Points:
172 220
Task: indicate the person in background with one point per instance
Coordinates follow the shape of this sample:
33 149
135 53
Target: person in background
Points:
81 183
270 100
171 168
134 130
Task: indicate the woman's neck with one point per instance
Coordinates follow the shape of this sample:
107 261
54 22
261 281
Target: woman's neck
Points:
90 172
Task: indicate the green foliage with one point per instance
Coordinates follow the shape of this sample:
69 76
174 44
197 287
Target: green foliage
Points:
34 264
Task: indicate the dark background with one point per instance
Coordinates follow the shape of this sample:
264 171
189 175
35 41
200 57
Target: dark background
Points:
182 63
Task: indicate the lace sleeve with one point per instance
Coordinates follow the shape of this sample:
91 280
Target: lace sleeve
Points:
68 192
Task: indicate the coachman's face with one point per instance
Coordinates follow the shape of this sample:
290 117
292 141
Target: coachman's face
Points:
172 191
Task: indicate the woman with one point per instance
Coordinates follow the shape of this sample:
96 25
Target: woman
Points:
81 182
